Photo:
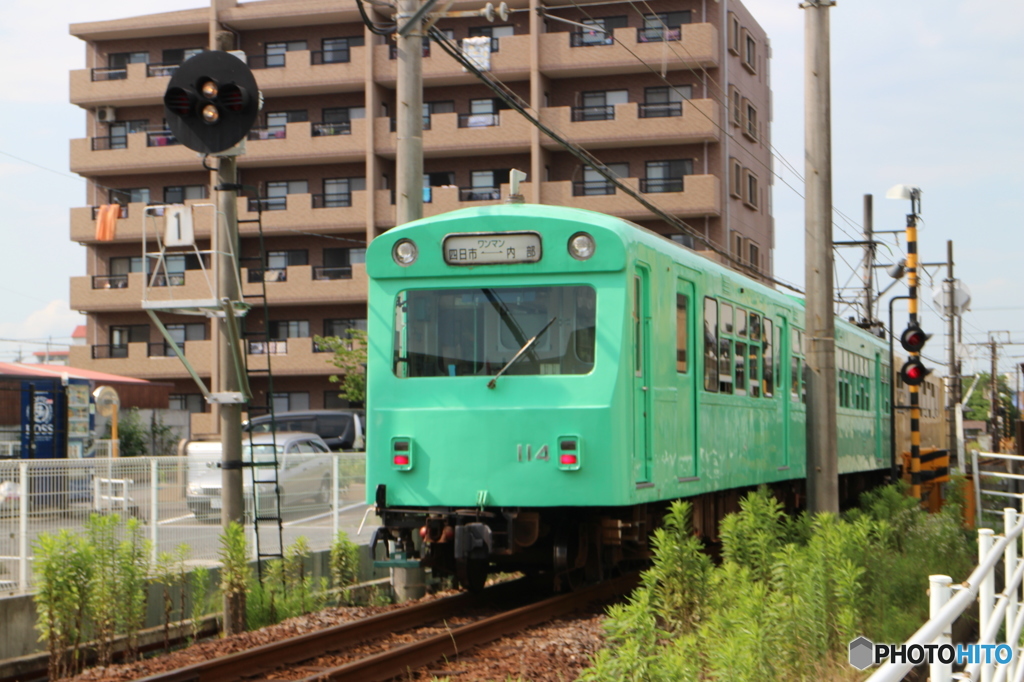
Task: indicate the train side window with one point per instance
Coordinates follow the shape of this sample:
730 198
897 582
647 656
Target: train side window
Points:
711 345
741 322
755 327
768 360
726 319
682 327
754 370
741 374
725 330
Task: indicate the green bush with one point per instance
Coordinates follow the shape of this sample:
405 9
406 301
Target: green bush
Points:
63 572
789 595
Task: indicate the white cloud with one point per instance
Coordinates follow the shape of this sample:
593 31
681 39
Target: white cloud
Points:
55 319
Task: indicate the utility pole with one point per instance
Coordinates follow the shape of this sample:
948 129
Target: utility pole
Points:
993 394
409 123
869 265
822 456
953 387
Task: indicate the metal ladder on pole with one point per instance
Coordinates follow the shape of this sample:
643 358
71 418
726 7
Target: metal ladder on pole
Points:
268 526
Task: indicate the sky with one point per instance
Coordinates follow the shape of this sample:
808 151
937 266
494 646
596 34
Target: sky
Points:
924 92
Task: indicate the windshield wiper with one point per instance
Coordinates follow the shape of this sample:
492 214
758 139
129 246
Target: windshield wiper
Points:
526 346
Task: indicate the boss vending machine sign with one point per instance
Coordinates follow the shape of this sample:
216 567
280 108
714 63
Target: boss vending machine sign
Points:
45 418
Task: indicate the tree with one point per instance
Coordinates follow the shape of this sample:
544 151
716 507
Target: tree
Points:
979 405
350 357
132 434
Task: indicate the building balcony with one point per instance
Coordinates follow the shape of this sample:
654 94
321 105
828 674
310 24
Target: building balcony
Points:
634 125
300 73
700 196
462 135
289 357
106 293
311 213
135 360
438 200
511 62
294 144
306 284
563 55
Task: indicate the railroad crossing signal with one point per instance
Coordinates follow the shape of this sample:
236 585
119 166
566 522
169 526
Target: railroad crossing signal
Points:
211 102
913 372
913 339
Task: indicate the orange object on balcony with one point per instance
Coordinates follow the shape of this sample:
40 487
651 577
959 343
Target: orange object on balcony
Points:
106 222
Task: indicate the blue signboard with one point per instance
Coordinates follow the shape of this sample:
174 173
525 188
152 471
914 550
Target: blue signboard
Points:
43 419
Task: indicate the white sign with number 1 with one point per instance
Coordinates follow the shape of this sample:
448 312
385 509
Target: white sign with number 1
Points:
178 226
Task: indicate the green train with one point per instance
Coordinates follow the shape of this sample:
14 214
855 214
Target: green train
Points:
542 381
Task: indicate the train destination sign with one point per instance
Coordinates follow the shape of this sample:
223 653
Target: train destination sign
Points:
492 247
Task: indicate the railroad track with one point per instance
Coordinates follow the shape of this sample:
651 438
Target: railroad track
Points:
398 660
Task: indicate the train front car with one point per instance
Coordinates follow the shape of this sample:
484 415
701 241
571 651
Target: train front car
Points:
493 376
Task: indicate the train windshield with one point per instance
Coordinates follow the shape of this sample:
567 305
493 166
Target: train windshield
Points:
476 332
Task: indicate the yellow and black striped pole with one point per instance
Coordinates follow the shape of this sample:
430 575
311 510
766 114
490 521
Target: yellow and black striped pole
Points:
915 404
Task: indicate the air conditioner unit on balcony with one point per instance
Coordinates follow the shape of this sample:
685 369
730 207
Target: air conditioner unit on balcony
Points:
106 114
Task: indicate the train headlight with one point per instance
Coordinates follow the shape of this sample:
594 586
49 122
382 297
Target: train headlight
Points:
405 252
581 246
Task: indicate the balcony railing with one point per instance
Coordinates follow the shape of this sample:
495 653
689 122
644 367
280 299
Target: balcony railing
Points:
110 281
590 38
110 73
268 347
664 110
257 275
661 185
332 200
160 70
329 129
604 112
329 57
322 272
657 35
171 279
268 133
479 120
479 194
124 211
100 144
108 351
592 188
269 204
161 138
162 349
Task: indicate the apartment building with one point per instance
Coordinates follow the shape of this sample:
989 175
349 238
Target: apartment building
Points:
673 97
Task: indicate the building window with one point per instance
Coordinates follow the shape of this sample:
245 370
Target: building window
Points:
277 193
754 254
291 401
734 34
735 178
277 120
342 327
495 33
666 101
289 329
485 185
189 402
179 194
735 106
121 336
180 54
124 265
602 31
749 119
278 260
274 53
117 64
336 50
666 176
751 191
737 246
749 52
595 184
117 134
133 195
664 26
599 105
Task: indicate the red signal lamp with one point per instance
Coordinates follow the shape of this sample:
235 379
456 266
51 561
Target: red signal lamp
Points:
913 339
913 372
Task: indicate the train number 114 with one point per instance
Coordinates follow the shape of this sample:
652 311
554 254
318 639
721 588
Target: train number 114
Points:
526 454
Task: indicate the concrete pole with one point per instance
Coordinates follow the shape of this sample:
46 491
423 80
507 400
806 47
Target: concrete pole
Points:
409 123
409 583
953 387
822 457
993 394
225 243
869 262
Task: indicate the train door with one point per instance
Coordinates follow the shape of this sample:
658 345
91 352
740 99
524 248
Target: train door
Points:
686 339
641 375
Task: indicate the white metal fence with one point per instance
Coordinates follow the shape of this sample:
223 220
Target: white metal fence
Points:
176 499
1000 482
947 602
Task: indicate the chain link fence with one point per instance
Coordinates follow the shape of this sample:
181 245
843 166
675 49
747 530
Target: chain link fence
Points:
176 499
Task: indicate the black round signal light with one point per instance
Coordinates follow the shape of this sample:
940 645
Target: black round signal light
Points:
913 372
913 339
179 101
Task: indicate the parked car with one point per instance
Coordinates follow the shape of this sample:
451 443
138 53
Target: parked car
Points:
342 430
303 476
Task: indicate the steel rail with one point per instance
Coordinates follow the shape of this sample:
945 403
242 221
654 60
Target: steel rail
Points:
398 661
